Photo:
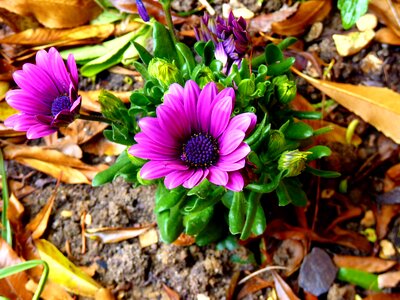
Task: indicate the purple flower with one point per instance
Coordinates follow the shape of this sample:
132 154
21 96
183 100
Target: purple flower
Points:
194 137
47 98
229 36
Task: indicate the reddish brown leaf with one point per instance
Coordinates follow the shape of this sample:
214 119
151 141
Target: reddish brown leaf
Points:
387 36
368 264
383 296
82 131
172 295
253 285
230 292
12 286
384 11
309 12
384 216
283 290
263 22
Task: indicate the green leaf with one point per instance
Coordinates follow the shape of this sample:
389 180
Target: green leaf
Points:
290 191
144 55
273 54
209 53
308 115
260 223
170 224
280 68
299 131
119 134
351 11
287 42
211 233
195 222
202 190
198 204
164 46
360 278
318 152
166 199
237 213
322 173
187 56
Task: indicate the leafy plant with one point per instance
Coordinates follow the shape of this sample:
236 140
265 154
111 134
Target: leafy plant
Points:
351 11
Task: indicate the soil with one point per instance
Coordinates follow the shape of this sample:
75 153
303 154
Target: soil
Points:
193 272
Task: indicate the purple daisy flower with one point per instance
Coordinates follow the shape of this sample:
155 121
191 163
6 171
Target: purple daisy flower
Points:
47 98
230 37
194 137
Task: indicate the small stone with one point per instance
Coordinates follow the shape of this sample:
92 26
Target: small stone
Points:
353 42
243 12
369 219
202 297
66 213
366 22
387 249
371 64
315 32
317 272
88 219
150 237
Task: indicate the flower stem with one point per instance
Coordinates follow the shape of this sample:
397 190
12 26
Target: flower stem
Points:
258 60
167 10
94 118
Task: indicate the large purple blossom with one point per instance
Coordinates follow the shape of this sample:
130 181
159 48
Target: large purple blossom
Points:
194 137
47 98
230 37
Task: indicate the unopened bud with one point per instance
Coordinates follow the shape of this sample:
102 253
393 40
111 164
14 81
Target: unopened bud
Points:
111 106
285 89
276 143
204 76
165 72
293 162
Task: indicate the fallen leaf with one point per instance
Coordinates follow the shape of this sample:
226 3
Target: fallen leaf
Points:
100 146
90 99
39 223
53 163
116 234
15 209
377 106
55 13
283 290
384 216
387 36
104 294
382 296
368 264
64 272
253 285
12 286
19 189
184 240
263 22
51 291
389 279
317 272
82 131
6 70
171 294
352 42
308 13
6 111
385 13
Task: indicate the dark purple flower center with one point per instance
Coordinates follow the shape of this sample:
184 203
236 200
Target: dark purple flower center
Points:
200 151
59 104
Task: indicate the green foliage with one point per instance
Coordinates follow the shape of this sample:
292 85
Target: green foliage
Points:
351 11
362 279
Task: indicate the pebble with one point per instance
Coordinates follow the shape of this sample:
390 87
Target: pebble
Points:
367 22
150 237
353 42
369 219
387 249
315 32
238 10
371 64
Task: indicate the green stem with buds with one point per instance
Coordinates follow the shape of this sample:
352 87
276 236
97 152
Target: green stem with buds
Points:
94 118
167 10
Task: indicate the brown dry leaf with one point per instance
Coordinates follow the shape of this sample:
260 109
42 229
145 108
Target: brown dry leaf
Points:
81 131
389 279
283 290
15 209
4 87
90 99
384 216
308 13
116 234
253 285
19 189
53 163
64 272
6 110
104 294
51 291
377 106
12 286
383 296
171 294
184 240
100 146
39 223
263 22
55 13
367 264
387 36
385 13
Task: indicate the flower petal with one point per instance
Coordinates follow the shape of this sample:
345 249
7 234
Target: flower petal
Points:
230 166
176 178
241 152
195 179
220 116
20 100
190 103
244 122
151 127
204 106
230 140
154 170
73 70
147 152
20 122
218 176
39 130
235 182
173 122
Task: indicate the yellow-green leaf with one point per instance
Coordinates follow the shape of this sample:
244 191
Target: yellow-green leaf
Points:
6 111
378 106
65 273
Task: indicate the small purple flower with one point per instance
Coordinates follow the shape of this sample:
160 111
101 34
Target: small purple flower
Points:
47 98
230 37
194 137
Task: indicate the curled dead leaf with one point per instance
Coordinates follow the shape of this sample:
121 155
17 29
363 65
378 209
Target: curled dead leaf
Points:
388 13
367 264
55 13
375 105
387 36
116 234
